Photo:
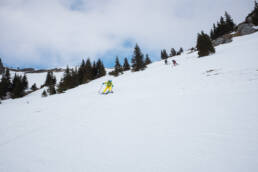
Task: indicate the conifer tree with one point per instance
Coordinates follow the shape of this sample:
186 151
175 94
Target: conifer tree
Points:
255 14
94 71
2 93
100 69
172 52
50 79
147 60
126 65
180 51
17 89
88 71
222 26
81 72
66 81
5 85
137 60
51 89
44 93
230 25
75 78
1 67
118 67
212 34
25 82
50 83
85 72
164 54
204 45
34 87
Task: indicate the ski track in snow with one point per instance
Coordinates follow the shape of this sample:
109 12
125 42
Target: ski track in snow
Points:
201 115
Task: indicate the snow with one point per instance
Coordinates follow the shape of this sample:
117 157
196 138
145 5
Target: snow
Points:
201 115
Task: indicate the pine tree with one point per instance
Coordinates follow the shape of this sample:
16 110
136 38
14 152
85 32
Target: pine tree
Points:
44 93
214 31
34 87
180 51
172 52
50 79
51 89
1 67
230 25
2 90
204 45
5 84
164 54
85 72
118 67
17 89
222 26
137 60
94 71
82 72
126 65
147 60
75 78
212 34
25 82
88 71
255 14
101 71
66 81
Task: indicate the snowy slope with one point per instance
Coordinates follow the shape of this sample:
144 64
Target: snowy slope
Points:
199 116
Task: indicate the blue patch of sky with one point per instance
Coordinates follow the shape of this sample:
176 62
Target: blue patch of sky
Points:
76 5
109 57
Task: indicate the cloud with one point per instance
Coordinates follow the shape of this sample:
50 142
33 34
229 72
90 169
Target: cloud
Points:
59 32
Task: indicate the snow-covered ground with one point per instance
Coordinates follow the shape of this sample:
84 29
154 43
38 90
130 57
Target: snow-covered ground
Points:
199 116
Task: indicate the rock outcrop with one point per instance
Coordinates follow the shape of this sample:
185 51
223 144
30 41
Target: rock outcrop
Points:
245 29
222 40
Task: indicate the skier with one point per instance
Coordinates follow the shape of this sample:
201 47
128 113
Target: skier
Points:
166 61
174 62
109 86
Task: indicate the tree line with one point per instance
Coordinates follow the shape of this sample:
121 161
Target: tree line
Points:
14 87
224 26
72 78
204 43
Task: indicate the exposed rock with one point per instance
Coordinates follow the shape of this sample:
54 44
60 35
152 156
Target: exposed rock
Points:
249 19
222 40
245 29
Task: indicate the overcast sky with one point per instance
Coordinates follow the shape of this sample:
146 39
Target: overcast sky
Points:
52 33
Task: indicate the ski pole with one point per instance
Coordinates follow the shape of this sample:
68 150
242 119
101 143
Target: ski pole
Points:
100 88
